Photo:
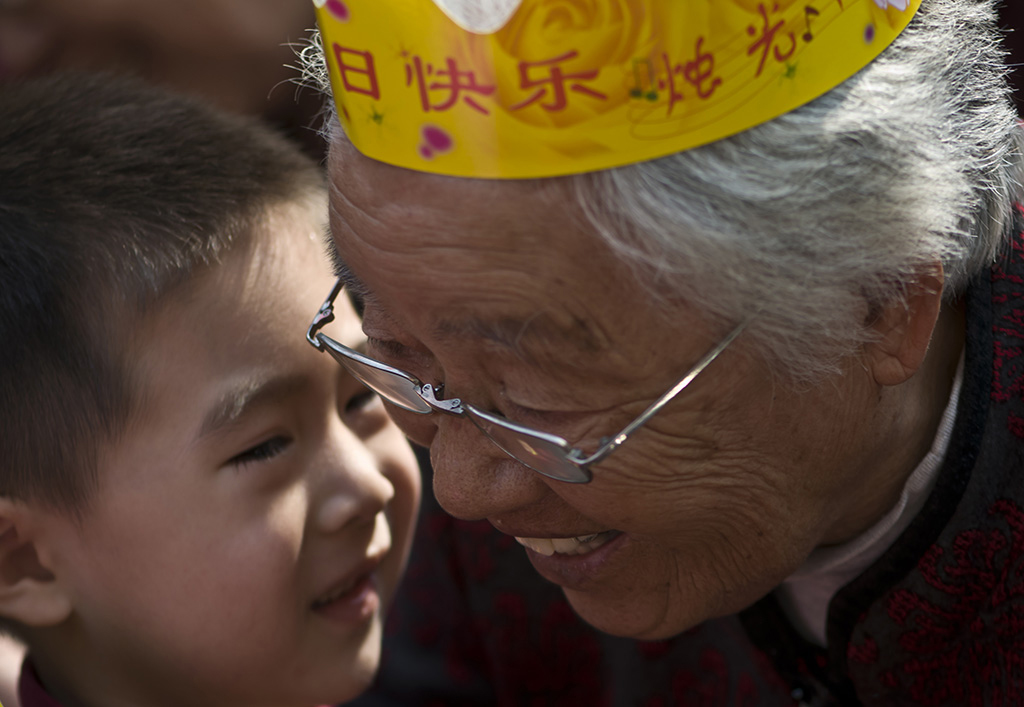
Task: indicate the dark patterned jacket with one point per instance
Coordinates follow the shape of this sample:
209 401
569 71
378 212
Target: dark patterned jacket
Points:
938 620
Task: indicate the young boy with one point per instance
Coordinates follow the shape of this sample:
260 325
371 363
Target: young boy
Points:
196 507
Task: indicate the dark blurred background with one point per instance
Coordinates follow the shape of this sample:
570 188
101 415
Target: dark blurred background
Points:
1013 22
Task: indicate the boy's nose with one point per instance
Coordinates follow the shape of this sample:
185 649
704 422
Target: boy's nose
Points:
353 489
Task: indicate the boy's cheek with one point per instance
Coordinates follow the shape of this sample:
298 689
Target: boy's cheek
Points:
397 461
404 474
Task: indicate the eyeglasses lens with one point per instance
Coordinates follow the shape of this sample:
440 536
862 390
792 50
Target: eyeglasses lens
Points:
390 386
539 454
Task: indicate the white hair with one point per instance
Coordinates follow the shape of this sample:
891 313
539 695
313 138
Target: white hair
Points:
841 203
816 218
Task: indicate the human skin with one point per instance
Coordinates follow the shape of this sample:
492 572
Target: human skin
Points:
498 291
207 568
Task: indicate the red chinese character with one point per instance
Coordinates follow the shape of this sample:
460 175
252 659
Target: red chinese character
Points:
766 42
455 83
698 72
556 79
365 71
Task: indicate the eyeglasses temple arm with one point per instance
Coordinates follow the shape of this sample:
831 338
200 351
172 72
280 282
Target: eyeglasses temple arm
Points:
324 315
612 444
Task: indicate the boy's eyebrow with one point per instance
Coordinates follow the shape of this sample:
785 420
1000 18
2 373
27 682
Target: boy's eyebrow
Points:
245 395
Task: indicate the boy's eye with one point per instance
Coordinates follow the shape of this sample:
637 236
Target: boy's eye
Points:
364 413
360 401
261 452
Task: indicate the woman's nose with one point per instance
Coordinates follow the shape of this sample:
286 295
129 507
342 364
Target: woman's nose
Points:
353 488
473 478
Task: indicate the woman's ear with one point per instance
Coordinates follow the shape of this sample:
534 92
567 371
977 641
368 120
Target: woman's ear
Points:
905 328
30 593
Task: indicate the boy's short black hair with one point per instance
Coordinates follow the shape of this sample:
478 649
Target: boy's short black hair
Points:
111 193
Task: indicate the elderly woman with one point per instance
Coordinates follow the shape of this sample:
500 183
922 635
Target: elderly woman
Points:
782 361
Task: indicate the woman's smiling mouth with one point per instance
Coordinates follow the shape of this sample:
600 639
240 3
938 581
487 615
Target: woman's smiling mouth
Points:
576 563
579 545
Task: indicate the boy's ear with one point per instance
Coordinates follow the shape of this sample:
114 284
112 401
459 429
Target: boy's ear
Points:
29 592
905 328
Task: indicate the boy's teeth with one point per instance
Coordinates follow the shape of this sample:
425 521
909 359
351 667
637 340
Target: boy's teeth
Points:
579 545
327 600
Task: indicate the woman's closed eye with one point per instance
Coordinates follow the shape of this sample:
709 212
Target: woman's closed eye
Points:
526 413
412 360
261 452
388 349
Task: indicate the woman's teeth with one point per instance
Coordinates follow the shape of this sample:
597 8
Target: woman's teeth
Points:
579 545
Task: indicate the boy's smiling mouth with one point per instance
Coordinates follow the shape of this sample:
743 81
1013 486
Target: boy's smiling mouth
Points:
354 598
340 592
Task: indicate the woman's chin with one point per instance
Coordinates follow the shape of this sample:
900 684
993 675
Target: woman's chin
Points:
646 618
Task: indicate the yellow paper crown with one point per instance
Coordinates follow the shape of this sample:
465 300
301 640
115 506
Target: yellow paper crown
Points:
568 86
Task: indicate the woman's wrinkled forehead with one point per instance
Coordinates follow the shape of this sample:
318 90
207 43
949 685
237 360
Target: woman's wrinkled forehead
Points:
423 225
532 338
364 180
477 265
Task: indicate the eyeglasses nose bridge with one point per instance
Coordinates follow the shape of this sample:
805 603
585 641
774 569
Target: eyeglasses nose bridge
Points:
452 406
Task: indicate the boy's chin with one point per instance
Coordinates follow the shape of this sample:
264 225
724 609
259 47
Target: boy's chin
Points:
359 675
357 684
360 681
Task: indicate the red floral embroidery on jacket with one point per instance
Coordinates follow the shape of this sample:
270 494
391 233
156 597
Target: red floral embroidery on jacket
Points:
1016 425
968 647
1008 293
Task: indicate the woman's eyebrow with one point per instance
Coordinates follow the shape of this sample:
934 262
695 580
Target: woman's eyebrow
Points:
530 339
352 284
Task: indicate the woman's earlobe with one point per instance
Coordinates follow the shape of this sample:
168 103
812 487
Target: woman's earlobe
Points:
904 330
30 592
